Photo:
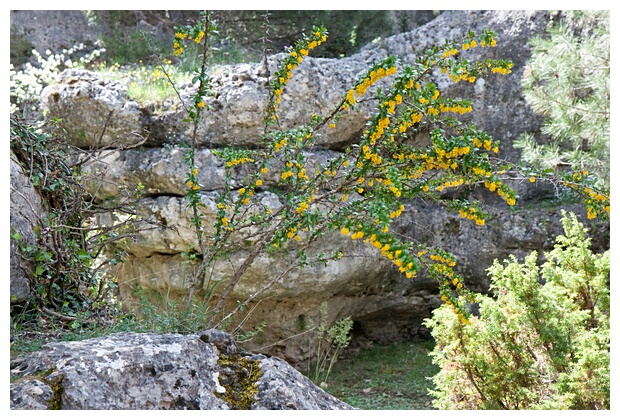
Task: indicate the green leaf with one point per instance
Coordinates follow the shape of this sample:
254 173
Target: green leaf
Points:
83 255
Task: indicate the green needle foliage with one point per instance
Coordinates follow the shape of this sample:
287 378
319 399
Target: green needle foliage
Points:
536 344
568 83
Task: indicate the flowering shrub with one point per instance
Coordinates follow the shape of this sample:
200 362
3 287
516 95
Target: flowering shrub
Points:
533 346
360 193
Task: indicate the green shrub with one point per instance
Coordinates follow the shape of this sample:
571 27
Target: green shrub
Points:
535 345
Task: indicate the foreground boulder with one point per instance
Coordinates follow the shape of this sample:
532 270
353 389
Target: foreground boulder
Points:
130 371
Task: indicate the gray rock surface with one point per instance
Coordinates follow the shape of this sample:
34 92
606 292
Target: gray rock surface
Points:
129 371
26 211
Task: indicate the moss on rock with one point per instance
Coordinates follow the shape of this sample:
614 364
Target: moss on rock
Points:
239 376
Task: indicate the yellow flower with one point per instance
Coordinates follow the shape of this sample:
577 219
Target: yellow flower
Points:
200 104
242 191
532 179
345 231
264 170
259 182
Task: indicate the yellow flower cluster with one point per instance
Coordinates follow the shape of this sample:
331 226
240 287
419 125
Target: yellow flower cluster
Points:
178 48
397 212
368 81
395 256
180 36
441 269
468 45
463 74
507 196
303 206
286 174
481 172
472 215
491 185
457 109
239 161
297 58
280 144
453 183
370 155
357 235
443 260
596 196
291 232
379 130
501 70
595 200
487 144
406 123
449 53
193 186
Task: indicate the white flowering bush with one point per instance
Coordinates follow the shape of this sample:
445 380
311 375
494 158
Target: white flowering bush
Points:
27 83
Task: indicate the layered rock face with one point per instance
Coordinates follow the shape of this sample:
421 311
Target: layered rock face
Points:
129 371
384 304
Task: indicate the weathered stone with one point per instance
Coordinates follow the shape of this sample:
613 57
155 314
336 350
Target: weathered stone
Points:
162 171
129 371
31 394
96 113
63 29
26 212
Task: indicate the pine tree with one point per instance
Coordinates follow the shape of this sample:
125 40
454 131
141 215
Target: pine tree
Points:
567 81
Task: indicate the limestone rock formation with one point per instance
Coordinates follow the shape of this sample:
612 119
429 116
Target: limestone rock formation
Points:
384 304
129 371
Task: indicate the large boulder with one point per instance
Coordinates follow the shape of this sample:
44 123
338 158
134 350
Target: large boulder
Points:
129 371
95 113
